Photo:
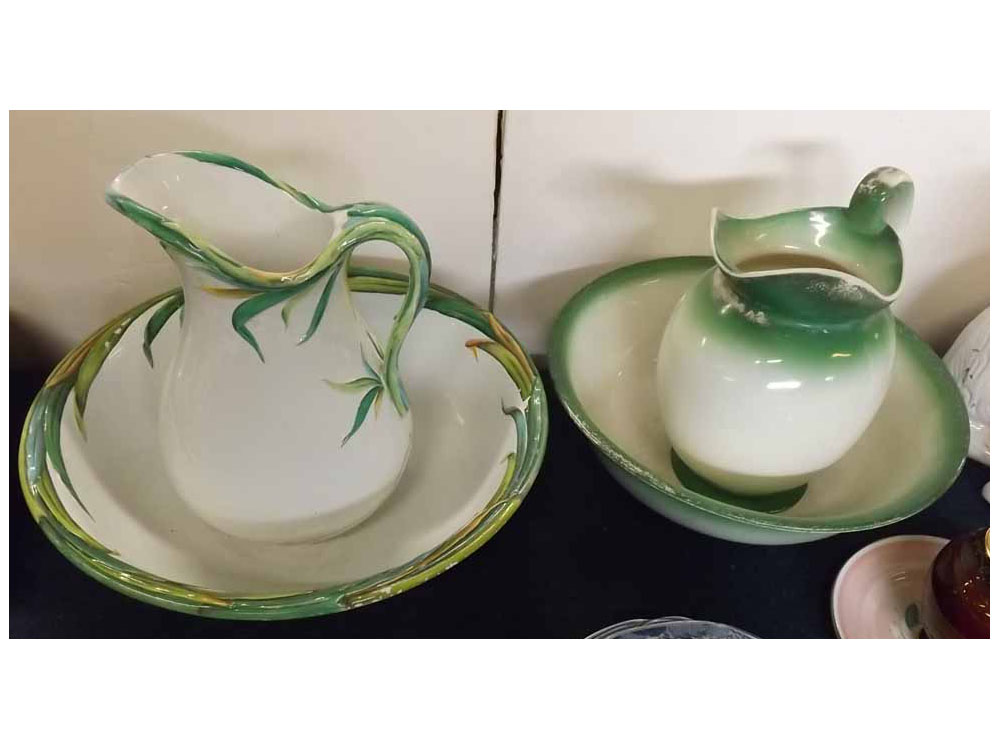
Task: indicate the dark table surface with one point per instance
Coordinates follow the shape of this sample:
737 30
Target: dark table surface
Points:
578 555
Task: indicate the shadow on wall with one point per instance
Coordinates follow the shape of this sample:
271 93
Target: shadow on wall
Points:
673 217
60 167
88 158
29 347
963 290
648 217
950 298
662 219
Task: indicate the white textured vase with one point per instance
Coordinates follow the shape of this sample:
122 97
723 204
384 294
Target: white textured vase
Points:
968 361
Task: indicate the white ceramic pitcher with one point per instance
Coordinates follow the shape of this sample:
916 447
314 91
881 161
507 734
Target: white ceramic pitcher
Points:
283 418
775 362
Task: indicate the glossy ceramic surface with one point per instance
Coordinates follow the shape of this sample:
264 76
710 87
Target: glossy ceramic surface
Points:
879 592
664 628
105 500
275 392
773 365
603 361
968 361
957 591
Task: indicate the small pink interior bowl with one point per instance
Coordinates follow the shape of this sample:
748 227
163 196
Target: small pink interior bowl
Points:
879 591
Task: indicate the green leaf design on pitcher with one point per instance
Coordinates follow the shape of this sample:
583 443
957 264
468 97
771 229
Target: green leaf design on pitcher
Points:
156 322
253 307
258 291
373 384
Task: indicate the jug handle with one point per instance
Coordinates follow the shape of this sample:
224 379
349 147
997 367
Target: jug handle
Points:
376 221
883 197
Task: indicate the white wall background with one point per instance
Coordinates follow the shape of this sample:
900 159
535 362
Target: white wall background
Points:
582 193
585 192
75 262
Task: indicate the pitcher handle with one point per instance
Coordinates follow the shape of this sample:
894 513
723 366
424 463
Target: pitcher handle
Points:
884 197
375 221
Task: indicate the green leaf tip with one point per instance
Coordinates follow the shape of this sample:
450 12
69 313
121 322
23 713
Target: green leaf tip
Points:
366 403
357 384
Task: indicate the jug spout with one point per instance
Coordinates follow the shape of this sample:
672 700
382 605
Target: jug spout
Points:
224 215
827 264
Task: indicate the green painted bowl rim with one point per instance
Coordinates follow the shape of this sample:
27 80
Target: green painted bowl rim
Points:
955 439
100 563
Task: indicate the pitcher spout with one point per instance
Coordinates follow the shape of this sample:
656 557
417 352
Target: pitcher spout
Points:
224 215
820 264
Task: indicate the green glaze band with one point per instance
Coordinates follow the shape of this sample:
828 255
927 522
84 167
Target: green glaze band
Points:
721 312
820 265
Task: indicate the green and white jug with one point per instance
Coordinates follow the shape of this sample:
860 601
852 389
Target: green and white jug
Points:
775 362
283 417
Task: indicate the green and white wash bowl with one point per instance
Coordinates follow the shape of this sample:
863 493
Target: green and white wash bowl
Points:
244 447
603 357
